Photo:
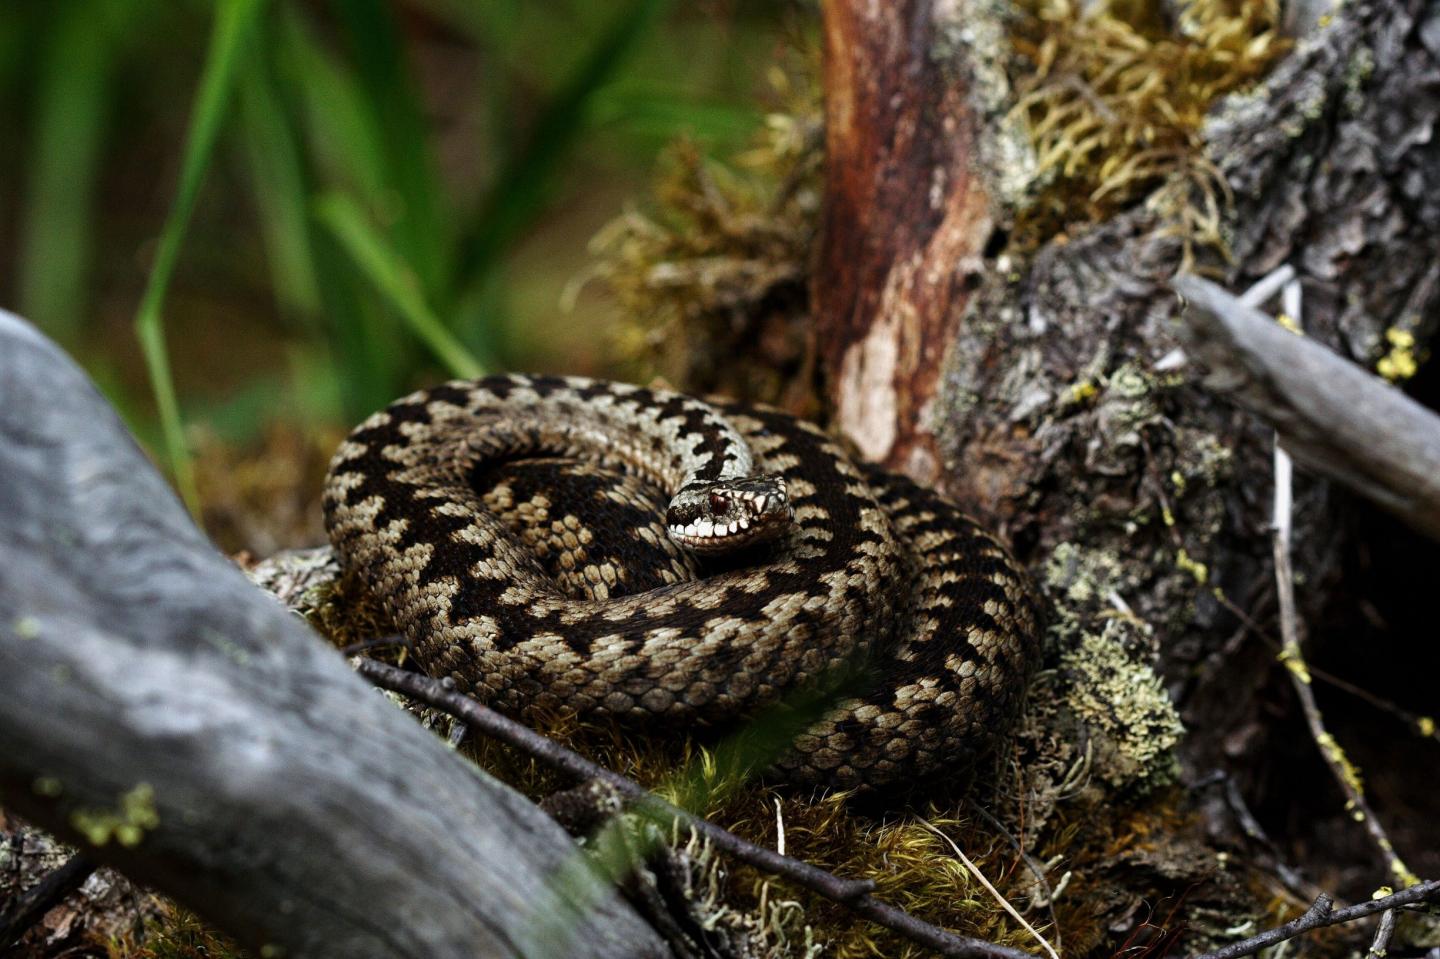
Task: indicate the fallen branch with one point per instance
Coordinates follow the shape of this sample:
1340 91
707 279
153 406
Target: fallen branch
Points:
168 718
1323 914
1333 416
852 893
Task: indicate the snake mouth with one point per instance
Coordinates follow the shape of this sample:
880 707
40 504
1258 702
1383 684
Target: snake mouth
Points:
706 536
728 516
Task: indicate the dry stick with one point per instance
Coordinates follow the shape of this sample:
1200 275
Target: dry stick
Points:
1276 377
54 888
1425 727
1323 914
1291 879
852 893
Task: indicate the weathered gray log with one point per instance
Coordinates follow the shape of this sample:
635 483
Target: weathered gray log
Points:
1332 415
172 720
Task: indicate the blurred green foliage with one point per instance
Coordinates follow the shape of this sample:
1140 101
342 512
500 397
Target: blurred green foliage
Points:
306 207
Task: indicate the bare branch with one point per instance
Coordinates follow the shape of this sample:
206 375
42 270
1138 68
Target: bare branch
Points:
1333 416
1323 914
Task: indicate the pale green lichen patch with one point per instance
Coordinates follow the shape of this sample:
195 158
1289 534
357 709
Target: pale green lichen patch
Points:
1108 681
1124 701
27 627
1081 575
127 824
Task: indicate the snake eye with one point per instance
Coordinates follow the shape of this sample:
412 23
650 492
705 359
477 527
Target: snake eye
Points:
719 505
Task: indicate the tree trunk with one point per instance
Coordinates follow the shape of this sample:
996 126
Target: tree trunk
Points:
170 719
1050 393
906 217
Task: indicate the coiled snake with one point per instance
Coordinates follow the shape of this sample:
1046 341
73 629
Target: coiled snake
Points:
579 598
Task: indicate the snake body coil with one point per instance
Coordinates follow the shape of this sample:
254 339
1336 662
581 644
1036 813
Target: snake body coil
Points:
838 564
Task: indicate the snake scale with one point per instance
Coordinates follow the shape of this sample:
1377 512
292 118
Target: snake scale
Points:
517 531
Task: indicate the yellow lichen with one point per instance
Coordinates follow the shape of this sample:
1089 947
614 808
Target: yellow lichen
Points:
1400 363
1348 771
1290 656
1194 567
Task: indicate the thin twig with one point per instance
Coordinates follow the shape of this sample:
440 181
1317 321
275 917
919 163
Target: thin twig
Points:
53 888
990 888
852 893
1323 914
1425 727
1381 943
1292 880
1293 656
1036 869
374 642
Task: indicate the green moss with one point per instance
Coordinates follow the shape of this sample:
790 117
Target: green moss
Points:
720 264
176 934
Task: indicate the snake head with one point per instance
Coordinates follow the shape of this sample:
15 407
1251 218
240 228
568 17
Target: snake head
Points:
718 516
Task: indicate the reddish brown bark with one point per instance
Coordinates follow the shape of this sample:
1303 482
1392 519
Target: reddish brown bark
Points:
890 281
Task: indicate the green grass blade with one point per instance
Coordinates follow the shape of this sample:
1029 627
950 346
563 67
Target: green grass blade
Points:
339 145
56 240
383 74
393 278
233 21
277 172
341 136
520 192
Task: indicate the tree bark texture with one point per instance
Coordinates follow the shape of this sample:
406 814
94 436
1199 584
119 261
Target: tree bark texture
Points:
1063 408
172 720
904 222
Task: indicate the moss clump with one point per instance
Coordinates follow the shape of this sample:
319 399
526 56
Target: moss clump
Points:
176 934
721 266
1115 98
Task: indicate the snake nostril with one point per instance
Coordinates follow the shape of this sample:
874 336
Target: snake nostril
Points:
719 505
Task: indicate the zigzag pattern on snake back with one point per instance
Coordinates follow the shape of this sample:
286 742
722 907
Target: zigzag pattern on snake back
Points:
863 567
